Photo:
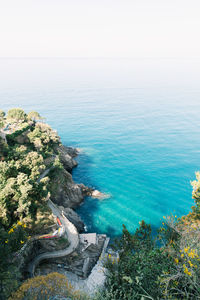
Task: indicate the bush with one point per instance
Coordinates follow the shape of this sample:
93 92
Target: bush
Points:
11 137
34 116
166 267
47 287
11 241
16 115
136 273
182 281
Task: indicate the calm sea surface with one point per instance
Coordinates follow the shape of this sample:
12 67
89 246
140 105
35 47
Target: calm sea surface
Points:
136 121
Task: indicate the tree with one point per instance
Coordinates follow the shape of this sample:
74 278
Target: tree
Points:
9 274
43 137
2 114
34 116
16 115
32 164
11 241
15 199
135 274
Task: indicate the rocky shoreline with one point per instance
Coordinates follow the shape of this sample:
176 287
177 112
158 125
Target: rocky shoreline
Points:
68 195
44 198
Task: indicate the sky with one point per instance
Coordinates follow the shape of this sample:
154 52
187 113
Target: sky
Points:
100 28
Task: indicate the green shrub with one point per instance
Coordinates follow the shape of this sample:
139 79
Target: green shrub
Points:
16 115
136 273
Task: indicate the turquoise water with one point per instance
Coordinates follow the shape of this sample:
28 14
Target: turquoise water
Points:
136 121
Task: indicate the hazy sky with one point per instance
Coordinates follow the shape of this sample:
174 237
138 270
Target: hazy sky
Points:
100 28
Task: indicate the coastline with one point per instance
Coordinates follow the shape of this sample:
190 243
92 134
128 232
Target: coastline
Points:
91 247
54 234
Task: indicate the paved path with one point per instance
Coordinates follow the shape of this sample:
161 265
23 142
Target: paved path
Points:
72 236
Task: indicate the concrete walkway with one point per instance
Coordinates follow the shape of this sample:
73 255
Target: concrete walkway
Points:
96 279
72 236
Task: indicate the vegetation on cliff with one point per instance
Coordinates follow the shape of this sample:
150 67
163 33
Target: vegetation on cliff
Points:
27 148
27 145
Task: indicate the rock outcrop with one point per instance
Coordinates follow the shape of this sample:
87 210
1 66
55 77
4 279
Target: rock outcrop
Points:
73 217
67 155
98 195
64 192
22 138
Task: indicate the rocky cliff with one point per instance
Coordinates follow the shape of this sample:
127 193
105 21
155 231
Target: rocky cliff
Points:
64 192
67 155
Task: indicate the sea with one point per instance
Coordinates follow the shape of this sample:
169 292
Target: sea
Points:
136 122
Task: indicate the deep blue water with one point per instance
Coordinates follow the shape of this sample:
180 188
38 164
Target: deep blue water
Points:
136 121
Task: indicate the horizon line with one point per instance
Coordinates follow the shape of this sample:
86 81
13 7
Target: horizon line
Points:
97 57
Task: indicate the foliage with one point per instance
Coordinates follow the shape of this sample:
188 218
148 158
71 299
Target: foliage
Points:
16 115
22 193
47 287
57 164
147 269
196 194
11 241
182 245
19 194
23 190
34 116
132 243
11 137
135 274
43 138
2 114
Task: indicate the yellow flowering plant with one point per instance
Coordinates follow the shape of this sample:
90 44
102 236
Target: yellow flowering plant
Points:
182 244
16 236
